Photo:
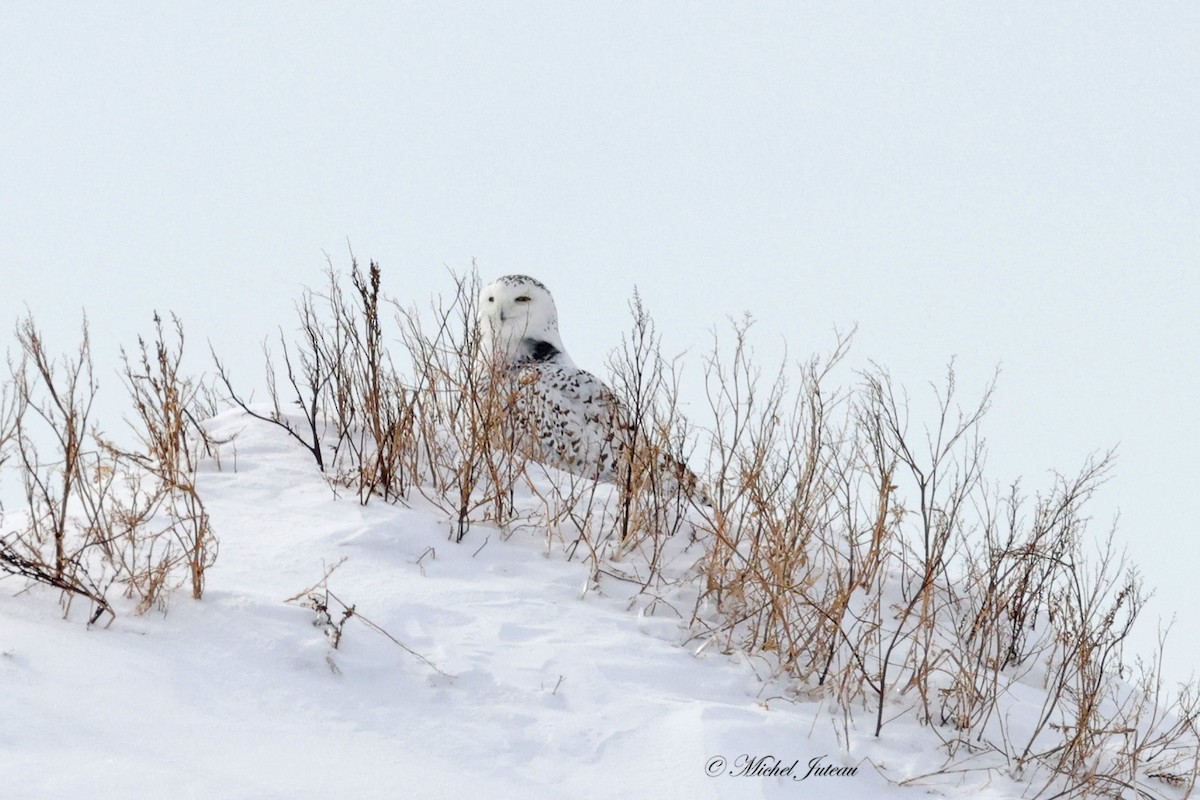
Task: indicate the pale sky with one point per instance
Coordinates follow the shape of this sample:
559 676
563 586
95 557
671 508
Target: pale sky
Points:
1010 184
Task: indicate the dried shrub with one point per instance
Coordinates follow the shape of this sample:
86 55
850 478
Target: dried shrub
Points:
861 557
96 514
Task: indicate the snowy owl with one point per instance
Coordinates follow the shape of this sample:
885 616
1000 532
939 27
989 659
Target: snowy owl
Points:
569 419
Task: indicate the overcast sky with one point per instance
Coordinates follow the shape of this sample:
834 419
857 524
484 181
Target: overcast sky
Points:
1015 185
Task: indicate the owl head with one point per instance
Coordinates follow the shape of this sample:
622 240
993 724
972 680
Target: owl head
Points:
518 323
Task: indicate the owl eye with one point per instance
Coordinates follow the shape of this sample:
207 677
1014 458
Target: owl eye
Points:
523 298
491 299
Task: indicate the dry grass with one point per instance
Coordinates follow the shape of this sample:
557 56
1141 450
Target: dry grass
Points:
96 514
863 562
863 557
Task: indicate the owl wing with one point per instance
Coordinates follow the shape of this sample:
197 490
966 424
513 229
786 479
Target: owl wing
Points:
570 419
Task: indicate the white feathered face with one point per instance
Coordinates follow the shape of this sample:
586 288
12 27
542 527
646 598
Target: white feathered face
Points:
518 320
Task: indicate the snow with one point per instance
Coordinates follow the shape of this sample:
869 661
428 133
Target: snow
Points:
537 683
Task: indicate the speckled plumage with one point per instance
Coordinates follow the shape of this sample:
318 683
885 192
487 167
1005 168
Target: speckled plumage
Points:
566 417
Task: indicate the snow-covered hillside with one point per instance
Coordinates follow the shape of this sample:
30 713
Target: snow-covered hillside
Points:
389 597
538 684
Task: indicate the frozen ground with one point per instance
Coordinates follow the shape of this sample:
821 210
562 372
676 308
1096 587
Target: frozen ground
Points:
548 690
